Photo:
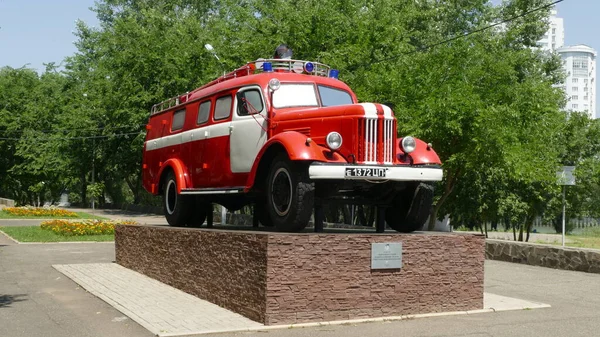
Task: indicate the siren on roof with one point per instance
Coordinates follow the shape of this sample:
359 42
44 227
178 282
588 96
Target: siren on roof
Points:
283 52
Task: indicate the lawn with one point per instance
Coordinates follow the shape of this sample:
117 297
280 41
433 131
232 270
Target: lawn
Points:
80 215
588 238
36 234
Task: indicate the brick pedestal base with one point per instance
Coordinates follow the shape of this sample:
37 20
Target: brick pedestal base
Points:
277 278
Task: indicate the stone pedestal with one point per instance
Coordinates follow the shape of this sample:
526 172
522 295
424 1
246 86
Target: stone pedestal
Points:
282 278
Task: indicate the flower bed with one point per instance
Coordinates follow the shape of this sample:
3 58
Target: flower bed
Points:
84 227
40 212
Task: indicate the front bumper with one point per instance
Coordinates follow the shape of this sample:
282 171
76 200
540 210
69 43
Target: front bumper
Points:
394 173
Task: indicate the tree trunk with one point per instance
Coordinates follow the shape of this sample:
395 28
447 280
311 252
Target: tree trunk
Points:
371 218
485 229
450 183
347 215
135 190
514 230
521 231
529 225
83 190
360 214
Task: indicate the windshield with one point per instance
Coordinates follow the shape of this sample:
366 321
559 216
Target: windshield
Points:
303 94
289 95
332 96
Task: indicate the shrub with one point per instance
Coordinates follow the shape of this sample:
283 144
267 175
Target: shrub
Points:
85 227
39 211
557 223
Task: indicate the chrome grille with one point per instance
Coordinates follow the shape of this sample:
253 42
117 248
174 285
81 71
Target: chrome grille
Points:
376 140
371 140
388 141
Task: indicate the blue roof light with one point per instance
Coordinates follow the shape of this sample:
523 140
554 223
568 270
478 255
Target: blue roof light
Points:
267 67
334 73
309 67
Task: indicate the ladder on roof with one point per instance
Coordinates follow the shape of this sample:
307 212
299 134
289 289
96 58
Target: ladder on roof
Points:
250 68
169 103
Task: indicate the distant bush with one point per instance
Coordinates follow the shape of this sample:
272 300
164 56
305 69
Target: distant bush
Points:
85 227
557 223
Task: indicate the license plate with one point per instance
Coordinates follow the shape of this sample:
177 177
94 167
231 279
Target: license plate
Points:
366 172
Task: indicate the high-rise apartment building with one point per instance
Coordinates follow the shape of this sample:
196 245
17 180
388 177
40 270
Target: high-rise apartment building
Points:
579 63
555 36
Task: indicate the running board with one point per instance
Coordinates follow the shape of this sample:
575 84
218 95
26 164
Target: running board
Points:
232 190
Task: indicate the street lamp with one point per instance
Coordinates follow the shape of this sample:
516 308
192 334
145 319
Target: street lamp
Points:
93 165
214 53
565 178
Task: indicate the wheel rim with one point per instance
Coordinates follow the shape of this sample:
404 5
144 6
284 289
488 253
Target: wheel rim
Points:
171 197
281 191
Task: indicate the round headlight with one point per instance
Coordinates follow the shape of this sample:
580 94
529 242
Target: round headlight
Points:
274 84
408 144
334 140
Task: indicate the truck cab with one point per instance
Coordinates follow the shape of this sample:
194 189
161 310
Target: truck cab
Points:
283 135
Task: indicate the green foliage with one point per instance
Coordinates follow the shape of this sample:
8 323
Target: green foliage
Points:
95 190
489 103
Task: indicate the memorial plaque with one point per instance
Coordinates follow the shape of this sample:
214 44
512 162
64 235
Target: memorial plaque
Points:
386 255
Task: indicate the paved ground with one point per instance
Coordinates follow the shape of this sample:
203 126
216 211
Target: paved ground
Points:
118 214
162 309
37 300
166 311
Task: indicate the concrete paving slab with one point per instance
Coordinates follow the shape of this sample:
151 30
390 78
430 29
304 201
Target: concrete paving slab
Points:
503 303
163 310
166 311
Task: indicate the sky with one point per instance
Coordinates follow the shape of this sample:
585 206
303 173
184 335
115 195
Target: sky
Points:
34 32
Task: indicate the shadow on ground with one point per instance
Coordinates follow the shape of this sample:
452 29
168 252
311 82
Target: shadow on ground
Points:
7 300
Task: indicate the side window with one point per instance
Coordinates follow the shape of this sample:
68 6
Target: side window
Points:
203 112
223 107
178 120
249 102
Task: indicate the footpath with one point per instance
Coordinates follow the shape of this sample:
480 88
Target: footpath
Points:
119 214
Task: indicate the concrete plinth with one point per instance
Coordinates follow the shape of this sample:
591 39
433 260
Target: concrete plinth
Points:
279 278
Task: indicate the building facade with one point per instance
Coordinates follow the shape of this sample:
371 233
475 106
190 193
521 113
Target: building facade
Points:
579 63
555 36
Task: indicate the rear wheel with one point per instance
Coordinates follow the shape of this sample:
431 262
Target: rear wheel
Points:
198 214
177 207
290 195
410 208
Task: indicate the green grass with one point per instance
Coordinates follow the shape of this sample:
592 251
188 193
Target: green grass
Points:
36 234
80 215
586 238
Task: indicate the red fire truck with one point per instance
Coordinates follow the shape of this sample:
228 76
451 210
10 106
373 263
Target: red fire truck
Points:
284 135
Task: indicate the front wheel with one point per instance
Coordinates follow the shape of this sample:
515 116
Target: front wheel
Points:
262 214
177 207
290 195
410 208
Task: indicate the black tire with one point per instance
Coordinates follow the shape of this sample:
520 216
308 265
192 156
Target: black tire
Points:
262 214
410 208
198 214
290 195
177 207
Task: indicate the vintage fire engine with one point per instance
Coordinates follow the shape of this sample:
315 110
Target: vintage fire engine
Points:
284 134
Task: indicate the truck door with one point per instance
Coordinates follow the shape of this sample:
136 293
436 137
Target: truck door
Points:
248 130
198 136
